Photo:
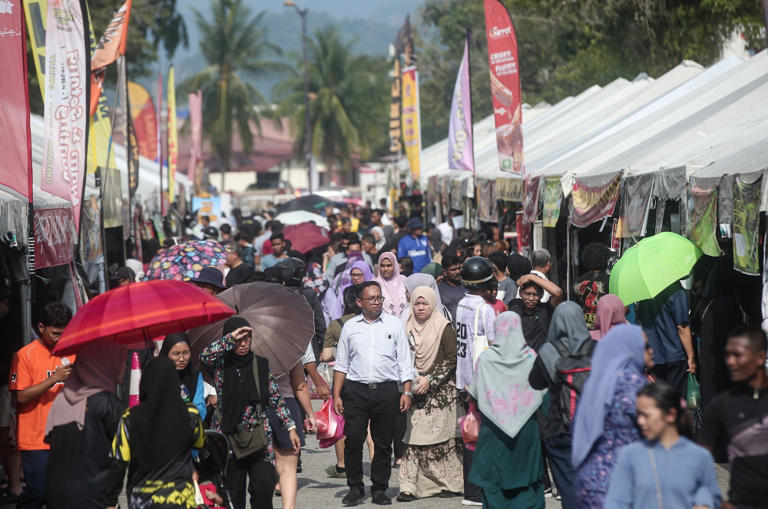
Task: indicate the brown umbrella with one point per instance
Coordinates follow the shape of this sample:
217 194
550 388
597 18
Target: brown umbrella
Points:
282 322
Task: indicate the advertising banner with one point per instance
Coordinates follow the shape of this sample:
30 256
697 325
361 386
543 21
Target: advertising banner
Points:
66 105
210 207
461 154
593 203
15 143
395 145
553 196
144 119
505 86
173 137
100 129
113 40
132 153
410 119
196 124
55 237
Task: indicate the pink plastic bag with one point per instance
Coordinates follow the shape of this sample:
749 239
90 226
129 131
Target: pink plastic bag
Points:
330 425
470 427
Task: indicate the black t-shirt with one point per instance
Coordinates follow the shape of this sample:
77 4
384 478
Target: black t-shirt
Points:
237 275
587 291
535 323
739 420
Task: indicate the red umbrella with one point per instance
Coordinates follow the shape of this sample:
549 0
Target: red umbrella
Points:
306 236
140 312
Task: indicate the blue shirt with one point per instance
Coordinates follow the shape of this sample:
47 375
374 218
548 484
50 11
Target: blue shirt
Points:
373 352
415 249
660 325
270 261
686 477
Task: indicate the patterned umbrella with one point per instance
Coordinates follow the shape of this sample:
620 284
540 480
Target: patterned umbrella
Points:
185 261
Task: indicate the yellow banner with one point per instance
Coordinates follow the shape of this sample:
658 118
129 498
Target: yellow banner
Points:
100 128
410 119
173 137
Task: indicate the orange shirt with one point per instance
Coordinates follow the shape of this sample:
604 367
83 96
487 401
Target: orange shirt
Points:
31 365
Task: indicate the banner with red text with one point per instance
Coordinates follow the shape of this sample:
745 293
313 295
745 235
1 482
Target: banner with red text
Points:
410 119
461 155
67 64
505 86
15 147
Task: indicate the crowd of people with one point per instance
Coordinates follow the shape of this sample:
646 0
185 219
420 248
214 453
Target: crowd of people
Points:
419 330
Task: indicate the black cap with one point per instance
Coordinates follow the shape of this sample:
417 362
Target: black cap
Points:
210 276
211 233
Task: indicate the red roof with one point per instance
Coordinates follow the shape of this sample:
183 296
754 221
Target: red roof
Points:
273 146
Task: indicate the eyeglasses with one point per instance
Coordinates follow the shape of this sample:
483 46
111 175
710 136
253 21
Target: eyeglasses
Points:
529 296
374 299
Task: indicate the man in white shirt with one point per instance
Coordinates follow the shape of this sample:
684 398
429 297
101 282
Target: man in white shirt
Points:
541 263
372 356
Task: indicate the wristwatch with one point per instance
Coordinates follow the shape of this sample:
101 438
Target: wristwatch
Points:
409 394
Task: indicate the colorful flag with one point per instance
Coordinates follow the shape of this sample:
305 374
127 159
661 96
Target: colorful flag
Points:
404 42
144 119
113 40
66 103
461 154
15 142
173 137
196 123
395 146
410 119
505 86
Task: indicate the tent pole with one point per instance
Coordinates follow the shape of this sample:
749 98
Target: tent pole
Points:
568 260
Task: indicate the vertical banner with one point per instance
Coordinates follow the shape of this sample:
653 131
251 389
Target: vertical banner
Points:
132 154
460 149
67 66
410 120
15 142
160 139
100 129
505 86
144 119
36 12
196 124
173 137
395 146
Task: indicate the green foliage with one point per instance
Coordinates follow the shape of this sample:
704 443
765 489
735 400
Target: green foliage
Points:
233 42
349 97
566 46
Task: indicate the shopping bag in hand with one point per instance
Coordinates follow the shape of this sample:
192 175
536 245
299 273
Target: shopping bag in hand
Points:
470 427
330 425
692 393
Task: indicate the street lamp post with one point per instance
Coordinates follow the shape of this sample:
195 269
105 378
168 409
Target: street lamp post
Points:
312 172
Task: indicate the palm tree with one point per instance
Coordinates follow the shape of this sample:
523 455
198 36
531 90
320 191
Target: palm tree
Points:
341 87
233 41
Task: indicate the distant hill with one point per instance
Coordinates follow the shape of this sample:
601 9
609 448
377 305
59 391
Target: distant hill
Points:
371 24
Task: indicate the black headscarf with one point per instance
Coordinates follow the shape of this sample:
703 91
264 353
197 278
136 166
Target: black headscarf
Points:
160 423
239 384
189 375
518 266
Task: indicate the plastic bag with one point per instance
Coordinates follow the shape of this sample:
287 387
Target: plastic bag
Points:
470 427
692 393
330 425
326 372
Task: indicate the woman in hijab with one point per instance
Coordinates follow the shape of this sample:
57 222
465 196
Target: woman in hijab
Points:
176 347
508 463
379 237
333 301
568 338
433 449
606 416
80 428
610 312
154 441
392 284
246 389
416 280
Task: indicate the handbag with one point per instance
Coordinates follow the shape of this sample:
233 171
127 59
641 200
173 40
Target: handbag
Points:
692 393
251 441
479 342
470 427
330 425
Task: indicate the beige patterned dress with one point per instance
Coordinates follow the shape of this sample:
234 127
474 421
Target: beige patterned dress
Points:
433 448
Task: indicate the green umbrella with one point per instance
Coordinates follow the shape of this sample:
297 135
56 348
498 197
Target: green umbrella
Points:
647 268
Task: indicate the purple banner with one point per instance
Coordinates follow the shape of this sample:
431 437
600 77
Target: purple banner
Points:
460 150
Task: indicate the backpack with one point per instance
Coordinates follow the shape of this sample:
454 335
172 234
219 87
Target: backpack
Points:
571 373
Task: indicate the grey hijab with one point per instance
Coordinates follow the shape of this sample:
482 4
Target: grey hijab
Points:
567 329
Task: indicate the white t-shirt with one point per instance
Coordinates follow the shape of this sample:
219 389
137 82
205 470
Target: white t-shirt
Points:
465 322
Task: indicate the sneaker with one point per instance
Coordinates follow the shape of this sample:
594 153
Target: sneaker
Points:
354 497
548 492
336 472
468 501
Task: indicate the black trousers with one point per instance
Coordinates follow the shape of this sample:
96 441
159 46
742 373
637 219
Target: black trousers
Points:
379 404
261 478
401 425
676 373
